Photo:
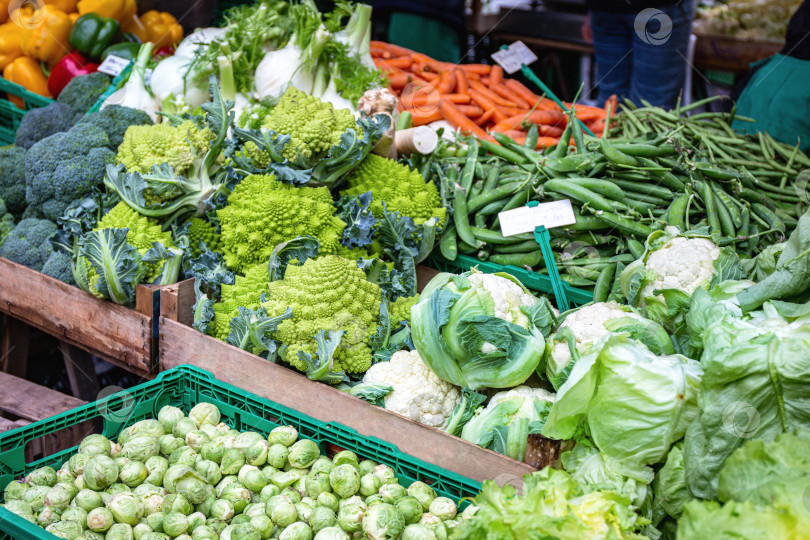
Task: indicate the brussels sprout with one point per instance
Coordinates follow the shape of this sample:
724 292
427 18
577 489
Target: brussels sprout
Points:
303 453
322 464
410 508
225 483
350 514
296 531
117 488
183 427
451 524
95 444
20 508
209 471
246 439
90 535
391 493
238 495
254 509
383 521
175 523
58 496
195 439
252 478
44 476
366 466
386 474
317 483
205 506
213 450
369 485
232 461
277 455
328 500
64 475
292 494
140 448
175 473
76 463
120 531
222 509
79 483
206 532
240 518
192 487
48 515
374 499
15 490
140 531
125 508
156 467
345 480
115 450
332 533
245 531
88 499
430 520
65 529
217 524
169 443
443 508
133 474
155 521
345 457
177 503
285 478
269 471
161 536
146 489
256 453
145 428
321 518
75 514
268 491
168 416
99 519
35 496
417 532
185 455
304 511
423 493
152 503
263 524
281 510
285 435
205 413
469 512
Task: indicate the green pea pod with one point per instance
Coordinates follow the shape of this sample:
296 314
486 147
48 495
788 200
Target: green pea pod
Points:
604 282
707 197
461 218
623 224
603 187
617 157
469 167
676 213
726 223
518 259
448 246
531 138
636 248
773 221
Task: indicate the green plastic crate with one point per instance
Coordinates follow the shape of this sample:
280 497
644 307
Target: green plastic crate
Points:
532 280
10 114
183 387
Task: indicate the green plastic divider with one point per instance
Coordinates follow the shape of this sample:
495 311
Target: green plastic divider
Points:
183 387
10 114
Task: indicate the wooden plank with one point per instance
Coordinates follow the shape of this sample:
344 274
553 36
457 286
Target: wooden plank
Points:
180 344
176 302
31 401
81 372
8 425
118 334
729 53
14 346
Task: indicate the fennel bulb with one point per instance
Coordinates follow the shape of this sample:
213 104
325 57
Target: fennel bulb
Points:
134 94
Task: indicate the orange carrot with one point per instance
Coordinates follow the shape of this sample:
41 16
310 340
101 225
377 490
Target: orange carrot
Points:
495 75
402 62
424 98
534 117
430 76
481 69
458 119
485 81
550 131
398 79
420 118
447 81
513 133
486 104
471 110
379 52
471 75
507 94
495 98
457 98
461 81
484 118
520 89
395 50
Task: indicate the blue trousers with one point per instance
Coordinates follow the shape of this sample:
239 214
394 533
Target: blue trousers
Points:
642 55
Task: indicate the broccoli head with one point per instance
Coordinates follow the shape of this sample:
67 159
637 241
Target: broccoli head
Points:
12 179
146 146
326 293
6 222
246 291
402 189
314 126
58 266
82 92
115 119
28 243
263 212
65 167
40 123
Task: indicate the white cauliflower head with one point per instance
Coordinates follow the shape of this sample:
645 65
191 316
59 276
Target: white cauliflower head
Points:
681 263
507 295
524 392
418 393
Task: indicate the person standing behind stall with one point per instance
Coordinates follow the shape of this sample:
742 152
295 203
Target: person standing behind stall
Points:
640 48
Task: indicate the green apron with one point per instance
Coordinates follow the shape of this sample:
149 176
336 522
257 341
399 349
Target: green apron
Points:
778 98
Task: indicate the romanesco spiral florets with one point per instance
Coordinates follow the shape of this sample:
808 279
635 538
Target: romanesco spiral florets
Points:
263 212
403 190
145 146
246 291
314 126
400 309
326 293
202 231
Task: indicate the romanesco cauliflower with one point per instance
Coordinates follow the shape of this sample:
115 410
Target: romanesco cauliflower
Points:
263 212
314 126
326 293
400 309
201 232
145 146
245 292
403 190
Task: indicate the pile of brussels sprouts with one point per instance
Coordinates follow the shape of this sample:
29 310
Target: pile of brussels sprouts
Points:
194 478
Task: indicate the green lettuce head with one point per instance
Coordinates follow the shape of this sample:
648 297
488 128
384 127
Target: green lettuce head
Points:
481 330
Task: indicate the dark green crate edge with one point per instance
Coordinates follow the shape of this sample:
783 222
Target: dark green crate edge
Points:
184 386
532 280
10 114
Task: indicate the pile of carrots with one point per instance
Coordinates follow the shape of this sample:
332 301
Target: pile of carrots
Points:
475 98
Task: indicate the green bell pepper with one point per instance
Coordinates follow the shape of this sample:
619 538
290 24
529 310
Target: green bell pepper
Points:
91 34
127 51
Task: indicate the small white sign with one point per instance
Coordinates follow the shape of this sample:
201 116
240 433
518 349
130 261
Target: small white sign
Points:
526 218
512 58
113 65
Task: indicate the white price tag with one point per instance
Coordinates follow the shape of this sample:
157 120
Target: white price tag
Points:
511 58
526 218
113 65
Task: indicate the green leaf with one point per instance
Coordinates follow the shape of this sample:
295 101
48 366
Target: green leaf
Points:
374 393
253 331
320 367
299 249
360 222
116 262
464 411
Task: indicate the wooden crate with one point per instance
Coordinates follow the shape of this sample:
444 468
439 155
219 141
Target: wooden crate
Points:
180 344
115 333
728 53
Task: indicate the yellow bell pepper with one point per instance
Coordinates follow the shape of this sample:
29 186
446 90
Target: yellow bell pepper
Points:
163 28
48 41
120 10
11 37
3 11
73 17
68 6
26 72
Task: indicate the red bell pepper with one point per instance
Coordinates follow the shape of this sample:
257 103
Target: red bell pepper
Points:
69 66
164 52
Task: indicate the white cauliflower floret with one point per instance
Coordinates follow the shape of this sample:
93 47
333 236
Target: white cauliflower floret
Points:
682 263
418 393
521 391
507 295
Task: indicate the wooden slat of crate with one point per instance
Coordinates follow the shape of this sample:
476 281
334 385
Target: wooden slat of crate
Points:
729 53
118 334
